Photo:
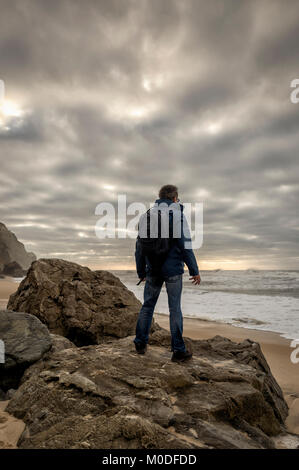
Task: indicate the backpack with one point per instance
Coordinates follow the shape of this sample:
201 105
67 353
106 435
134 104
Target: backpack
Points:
155 236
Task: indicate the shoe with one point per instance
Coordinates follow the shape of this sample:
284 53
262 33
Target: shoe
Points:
181 356
140 348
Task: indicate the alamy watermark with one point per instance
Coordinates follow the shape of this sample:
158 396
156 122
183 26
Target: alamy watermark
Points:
294 96
295 354
187 225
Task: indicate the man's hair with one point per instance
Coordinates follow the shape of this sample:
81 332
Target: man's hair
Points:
169 191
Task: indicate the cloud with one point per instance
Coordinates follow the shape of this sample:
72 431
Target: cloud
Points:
123 97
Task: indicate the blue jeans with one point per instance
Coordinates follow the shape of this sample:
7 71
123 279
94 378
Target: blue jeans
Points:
152 291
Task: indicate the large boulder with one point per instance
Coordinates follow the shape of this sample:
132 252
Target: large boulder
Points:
106 396
12 250
83 305
248 352
25 339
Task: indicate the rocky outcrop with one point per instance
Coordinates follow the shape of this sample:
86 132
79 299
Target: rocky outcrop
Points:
83 305
248 353
13 269
107 396
11 250
98 393
26 339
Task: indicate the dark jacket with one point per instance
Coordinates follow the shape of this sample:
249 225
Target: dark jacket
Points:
177 256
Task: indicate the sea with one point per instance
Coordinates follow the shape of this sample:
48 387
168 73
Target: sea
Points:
256 299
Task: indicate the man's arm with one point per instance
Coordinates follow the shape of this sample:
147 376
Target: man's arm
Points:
140 260
188 255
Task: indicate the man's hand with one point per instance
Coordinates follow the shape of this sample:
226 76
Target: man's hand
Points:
195 279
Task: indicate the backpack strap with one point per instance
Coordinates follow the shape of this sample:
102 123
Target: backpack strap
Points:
148 224
159 224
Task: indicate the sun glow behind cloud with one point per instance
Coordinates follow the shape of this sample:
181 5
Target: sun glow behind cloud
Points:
9 111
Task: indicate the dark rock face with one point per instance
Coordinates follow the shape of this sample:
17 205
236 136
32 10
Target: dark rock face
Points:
12 250
26 339
107 396
83 305
13 269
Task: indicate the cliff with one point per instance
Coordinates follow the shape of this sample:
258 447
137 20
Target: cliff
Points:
14 259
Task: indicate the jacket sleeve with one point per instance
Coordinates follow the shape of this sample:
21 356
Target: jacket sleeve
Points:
140 260
188 254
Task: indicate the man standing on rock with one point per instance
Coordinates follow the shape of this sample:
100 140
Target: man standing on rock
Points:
160 256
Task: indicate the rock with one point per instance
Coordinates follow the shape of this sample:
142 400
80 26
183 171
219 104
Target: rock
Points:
10 393
26 339
83 305
247 352
12 250
13 269
59 343
287 441
106 396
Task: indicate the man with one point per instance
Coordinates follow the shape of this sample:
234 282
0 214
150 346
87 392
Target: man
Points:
171 272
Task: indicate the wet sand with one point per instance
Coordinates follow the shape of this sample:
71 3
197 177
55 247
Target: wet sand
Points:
7 287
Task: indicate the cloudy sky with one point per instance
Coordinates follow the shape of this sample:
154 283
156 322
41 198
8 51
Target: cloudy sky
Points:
108 97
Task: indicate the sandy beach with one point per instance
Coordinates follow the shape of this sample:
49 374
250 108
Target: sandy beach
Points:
7 287
276 349
10 428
